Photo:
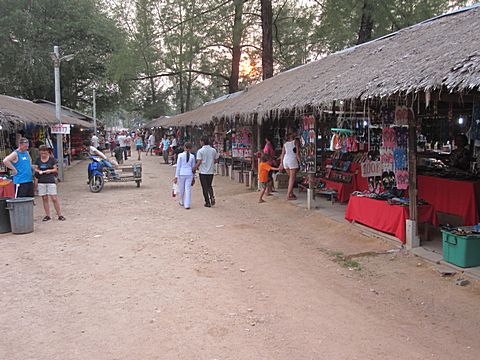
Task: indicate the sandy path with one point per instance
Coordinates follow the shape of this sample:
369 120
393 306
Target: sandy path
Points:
131 275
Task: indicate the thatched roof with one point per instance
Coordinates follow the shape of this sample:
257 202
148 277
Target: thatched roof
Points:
16 112
443 52
158 122
74 117
199 116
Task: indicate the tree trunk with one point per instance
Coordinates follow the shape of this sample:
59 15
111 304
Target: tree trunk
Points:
180 67
188 101
237 49
366 24
267 42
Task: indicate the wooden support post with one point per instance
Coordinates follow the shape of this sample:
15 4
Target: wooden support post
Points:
412 225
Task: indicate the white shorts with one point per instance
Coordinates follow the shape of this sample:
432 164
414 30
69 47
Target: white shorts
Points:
290 163
47 189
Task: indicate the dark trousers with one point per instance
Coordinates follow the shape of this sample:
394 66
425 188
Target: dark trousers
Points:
125 152
206 181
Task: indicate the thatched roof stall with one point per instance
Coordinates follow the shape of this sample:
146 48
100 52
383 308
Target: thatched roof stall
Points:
202 115
16 113
437 54
159 122
73 117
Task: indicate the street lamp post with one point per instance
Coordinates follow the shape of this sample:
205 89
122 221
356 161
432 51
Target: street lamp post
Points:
58 105
94 113
58 110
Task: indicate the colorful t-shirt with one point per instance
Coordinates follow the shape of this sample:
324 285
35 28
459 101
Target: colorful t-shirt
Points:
263 170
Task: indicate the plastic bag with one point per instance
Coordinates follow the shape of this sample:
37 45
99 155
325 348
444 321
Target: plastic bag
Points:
174 189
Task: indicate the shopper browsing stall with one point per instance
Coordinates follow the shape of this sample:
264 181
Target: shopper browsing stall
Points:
45 170
291 161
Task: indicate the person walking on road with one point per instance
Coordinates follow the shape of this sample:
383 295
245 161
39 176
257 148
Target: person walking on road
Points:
184 175
150 144
139 145
122 143
20 163
263 170
206 158
174 150
45 170
165 146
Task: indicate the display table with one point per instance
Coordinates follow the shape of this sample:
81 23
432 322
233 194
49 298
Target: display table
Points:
7 189
384 217
455 197
344 190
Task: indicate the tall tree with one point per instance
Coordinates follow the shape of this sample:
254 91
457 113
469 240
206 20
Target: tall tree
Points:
236 46
366 22
267 38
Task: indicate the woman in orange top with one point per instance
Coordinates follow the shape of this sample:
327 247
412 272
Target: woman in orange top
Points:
263 170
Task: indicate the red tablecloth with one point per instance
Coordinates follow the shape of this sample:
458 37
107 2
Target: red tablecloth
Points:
456 197
7 189
388 218
343 190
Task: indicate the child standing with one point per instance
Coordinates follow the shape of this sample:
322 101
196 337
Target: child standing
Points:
263 170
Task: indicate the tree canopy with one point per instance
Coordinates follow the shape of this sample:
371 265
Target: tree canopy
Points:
149 58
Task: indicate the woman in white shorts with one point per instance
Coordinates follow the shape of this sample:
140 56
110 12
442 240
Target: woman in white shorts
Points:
45 170
291 161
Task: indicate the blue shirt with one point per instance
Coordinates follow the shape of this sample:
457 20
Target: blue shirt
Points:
23 167
166 144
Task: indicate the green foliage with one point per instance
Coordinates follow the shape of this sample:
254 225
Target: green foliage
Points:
28 32
339 20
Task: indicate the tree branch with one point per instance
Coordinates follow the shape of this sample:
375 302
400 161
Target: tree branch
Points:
174 73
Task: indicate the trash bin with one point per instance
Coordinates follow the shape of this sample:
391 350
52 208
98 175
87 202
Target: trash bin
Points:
4 217
21 215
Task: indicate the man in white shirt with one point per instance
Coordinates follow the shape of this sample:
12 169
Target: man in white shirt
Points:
95 140
206 158
150 144
122 143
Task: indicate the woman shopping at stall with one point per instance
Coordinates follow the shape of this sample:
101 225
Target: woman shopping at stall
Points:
291 161
184 175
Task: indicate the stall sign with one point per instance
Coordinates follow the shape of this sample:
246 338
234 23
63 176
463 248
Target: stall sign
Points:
63 129
371 168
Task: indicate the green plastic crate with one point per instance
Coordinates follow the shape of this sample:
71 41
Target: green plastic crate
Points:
463 251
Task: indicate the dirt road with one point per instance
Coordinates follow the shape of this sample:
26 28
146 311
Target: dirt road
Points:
131 275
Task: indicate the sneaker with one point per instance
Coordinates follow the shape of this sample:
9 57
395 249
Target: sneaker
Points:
212 200
208 205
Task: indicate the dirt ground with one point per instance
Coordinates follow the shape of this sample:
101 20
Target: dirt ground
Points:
131 275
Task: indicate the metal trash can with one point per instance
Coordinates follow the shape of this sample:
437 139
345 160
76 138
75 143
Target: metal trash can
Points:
5 226
21 215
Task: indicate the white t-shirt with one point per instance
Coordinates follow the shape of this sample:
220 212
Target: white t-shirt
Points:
151 140
174 142
122 140
208 155
95 141
95 152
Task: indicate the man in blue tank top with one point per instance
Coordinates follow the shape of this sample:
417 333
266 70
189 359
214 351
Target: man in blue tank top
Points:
20 163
